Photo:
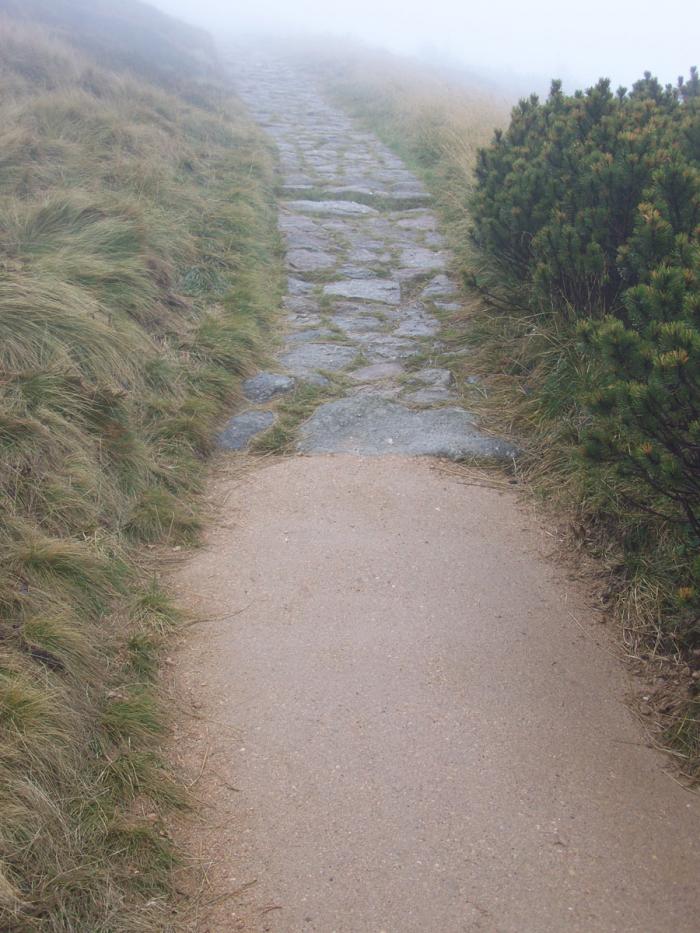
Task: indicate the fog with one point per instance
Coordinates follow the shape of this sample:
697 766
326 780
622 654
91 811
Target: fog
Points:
513 40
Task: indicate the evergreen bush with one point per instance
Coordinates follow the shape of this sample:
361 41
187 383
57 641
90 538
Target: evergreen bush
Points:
590 205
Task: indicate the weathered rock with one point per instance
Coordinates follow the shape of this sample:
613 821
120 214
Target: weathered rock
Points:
380 290
375 390
301 304
370 426
242 428
357 323
420 220
379 347
340 208
310 260
439 287
421 261
309 335
311 357
430 395
438 378
417 323
376 372
264 386
297 288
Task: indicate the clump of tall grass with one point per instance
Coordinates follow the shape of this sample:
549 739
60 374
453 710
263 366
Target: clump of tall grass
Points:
138 260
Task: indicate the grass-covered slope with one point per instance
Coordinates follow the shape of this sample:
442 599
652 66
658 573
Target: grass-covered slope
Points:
138 270
538 381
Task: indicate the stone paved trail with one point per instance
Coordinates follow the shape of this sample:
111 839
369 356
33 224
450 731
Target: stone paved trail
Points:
367 283
400 714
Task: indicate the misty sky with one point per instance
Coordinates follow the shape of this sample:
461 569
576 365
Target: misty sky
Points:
578 41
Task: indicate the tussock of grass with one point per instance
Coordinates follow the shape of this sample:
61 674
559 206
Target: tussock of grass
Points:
532 380
138 274
292 411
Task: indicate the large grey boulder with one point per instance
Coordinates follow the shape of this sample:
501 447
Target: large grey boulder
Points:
372 426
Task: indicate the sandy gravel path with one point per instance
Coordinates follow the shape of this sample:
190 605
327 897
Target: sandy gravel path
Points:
420 736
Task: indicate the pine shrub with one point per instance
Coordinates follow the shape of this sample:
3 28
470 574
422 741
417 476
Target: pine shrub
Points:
590 205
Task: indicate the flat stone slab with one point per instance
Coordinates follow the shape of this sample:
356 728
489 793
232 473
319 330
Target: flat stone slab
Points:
381 290
357 323
310 335
419 221
297 288
376 372
264 386
311 357
418 259
310 260
418 325
439 378
379 347
242 428
439 287
340 208
430 395
372 426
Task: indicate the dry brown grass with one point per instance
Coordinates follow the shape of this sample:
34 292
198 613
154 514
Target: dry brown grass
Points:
138 254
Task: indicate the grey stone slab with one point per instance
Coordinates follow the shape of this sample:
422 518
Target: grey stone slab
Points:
242 428
377 372
364 256
430 395
372 426
418 325
380 347
357 323
419 221
340 208
375 390
264 386
311 357
294 191
357 271
381 290
309 335
297 288
301 304
439 287
438 378
304 320
310 260
419 259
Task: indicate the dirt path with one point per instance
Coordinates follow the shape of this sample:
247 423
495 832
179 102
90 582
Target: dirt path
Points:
397 713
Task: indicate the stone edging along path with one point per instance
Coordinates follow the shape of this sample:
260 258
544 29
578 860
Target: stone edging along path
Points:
367 281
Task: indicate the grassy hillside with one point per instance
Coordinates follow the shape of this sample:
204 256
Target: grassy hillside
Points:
138 274
130 34
535 380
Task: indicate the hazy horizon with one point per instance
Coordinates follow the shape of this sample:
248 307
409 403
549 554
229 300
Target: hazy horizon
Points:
521 44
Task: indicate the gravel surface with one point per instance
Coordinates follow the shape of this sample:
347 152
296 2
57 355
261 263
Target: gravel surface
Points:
420 737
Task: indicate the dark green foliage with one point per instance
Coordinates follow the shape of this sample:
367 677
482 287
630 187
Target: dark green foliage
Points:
591 205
